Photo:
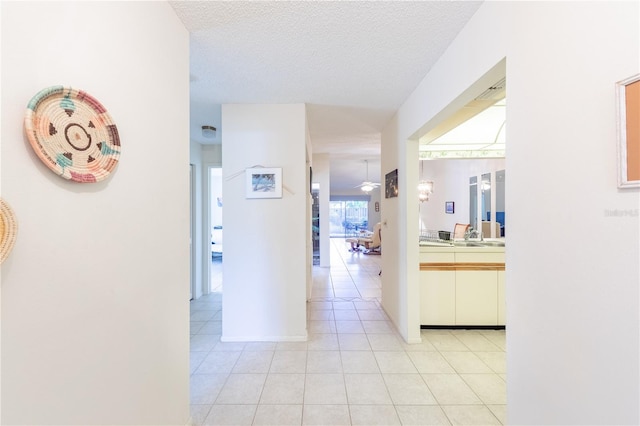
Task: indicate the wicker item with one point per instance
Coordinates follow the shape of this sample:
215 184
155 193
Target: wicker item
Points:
8 230
73 134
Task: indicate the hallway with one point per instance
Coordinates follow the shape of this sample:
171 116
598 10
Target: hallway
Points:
354 368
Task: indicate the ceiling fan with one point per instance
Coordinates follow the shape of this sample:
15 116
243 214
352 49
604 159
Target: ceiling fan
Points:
367 186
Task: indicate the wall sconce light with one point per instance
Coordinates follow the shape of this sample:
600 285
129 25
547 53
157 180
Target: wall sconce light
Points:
209 132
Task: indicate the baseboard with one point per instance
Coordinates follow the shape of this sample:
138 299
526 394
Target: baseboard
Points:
463 327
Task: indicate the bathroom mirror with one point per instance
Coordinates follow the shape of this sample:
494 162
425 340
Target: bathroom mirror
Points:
473 201
485 191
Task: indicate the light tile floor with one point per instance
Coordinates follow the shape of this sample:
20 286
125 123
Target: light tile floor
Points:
353 370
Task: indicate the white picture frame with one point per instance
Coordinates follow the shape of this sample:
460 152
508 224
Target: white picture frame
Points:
628 144
263 182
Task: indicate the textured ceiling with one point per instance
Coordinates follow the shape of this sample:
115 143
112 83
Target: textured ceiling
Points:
352 63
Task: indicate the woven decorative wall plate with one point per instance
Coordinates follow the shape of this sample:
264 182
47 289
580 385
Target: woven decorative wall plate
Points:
73 134
8 230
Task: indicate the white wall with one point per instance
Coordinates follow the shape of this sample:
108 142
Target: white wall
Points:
95 312
572 305
265 248
451 183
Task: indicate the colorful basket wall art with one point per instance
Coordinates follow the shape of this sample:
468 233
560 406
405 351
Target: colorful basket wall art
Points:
8 230
73 134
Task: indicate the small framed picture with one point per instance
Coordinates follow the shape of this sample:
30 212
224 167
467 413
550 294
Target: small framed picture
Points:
628 97
449 207
264 182
391 184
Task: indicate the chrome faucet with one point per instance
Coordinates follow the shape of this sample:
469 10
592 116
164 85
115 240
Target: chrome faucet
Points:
473 233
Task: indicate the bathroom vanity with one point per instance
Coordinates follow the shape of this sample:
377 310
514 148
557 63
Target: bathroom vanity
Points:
462 284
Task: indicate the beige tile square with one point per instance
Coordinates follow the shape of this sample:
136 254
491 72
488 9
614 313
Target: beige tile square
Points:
211 328
281 415
289 362
323 342
349 327
500 411
199 413
231 415
367 415
253 362
195 326
326 415
466 362
202 315
218 362
424 346
430 362
229 346
317 327
450 389
195 359
368 293
291 346
414 415
408 389
320 315
478 342
323 306
205 388
324 362
497 361
342 305
385 342
202 343
324 389
283 389
359 362
489 387
470 415
366 305
446 343
260 346
372 315
497 337
394 362
376 327
353 342
366 389
242 389
346 293
346 315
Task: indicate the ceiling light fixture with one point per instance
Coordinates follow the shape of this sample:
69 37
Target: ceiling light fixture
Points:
209 132
425 187
367 186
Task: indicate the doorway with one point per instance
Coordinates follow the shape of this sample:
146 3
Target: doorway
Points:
216 229
348 217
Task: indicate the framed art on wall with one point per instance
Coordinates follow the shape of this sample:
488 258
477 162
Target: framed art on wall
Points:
391 184
264 182
449 207
628 100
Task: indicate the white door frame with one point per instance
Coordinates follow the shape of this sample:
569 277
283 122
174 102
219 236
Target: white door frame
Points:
206 225
192 231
